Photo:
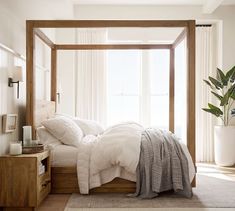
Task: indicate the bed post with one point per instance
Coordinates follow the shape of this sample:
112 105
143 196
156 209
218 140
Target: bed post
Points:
30 83
172 91
191 92
53 74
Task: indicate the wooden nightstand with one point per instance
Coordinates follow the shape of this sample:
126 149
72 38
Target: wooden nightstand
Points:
21 186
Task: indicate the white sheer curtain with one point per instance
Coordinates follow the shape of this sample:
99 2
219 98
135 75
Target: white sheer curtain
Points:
204 67
91 77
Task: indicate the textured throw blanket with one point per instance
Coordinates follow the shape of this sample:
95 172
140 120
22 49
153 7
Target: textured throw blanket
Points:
162 166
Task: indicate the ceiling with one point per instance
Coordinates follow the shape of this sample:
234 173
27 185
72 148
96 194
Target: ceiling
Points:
151 2
64 9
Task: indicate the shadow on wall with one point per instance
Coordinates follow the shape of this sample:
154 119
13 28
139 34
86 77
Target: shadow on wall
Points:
21 120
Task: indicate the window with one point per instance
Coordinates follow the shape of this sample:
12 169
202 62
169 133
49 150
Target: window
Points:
159 71
138 87
123 85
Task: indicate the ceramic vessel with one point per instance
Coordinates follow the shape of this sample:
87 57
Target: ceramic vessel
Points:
224 137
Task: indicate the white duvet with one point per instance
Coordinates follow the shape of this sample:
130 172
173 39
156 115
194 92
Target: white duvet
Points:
113 154
117 146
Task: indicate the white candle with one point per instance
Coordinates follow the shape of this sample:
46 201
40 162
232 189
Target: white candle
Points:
27 135
15 149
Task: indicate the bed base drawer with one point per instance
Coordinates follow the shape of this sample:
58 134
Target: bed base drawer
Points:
64 180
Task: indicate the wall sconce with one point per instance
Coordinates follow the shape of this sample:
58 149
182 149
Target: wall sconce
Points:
17 77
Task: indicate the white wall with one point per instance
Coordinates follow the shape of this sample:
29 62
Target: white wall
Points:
12 34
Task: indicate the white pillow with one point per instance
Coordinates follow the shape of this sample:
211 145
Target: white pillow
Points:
47 139
89 127
63 115
64 129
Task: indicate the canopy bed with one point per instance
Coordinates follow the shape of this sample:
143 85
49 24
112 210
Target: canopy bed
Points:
37 111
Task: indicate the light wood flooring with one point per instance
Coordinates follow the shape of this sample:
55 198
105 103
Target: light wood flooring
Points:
57 202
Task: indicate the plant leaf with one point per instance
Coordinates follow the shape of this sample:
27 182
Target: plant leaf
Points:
232 92
233 95
215 108
229 94
221 77
233 112
225 99
213 111
230 74
207 82
217 95
216 83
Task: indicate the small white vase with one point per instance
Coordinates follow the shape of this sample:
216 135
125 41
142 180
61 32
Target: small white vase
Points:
224 137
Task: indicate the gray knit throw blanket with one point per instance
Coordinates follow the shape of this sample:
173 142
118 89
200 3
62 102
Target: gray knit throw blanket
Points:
162 165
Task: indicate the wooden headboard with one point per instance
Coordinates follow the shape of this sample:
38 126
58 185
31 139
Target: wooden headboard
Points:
43 110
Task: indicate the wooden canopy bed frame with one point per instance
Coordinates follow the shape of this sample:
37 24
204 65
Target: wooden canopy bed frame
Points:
64 179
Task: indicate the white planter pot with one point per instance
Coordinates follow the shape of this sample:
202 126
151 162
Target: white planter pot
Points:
224 137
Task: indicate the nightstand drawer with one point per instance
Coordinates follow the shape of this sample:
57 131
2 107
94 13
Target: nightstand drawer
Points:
44 190
44 180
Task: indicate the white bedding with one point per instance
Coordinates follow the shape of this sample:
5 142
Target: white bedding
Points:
64 156
113 154
100 159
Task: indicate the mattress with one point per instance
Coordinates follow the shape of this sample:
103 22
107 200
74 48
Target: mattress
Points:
64 156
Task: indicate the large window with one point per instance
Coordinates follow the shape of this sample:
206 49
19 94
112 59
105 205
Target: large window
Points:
123 85
138 87
159 66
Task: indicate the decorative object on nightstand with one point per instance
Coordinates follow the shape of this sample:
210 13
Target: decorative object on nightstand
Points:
9 123
16 148
30 146
27 135
33 148
30 178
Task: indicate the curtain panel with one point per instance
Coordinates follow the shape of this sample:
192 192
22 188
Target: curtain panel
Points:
91 77
205 66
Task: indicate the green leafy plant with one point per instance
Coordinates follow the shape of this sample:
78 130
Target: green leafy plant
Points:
223 88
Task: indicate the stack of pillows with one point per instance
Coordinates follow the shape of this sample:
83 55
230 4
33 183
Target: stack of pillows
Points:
67 130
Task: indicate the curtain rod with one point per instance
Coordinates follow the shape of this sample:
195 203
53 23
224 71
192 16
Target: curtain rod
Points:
20 56
203 25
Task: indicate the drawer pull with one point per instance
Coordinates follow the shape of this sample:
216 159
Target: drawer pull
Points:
46 183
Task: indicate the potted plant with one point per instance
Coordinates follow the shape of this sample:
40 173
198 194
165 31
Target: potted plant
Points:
223 88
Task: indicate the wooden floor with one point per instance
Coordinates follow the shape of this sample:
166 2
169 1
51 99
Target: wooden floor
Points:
57 202
54 202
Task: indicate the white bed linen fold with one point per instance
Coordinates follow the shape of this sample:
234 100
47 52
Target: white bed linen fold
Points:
113 154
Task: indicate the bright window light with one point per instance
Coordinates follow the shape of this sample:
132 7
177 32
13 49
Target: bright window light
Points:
123 85
159 72
138 87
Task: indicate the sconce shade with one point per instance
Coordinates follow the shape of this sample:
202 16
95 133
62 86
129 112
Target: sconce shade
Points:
18 74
